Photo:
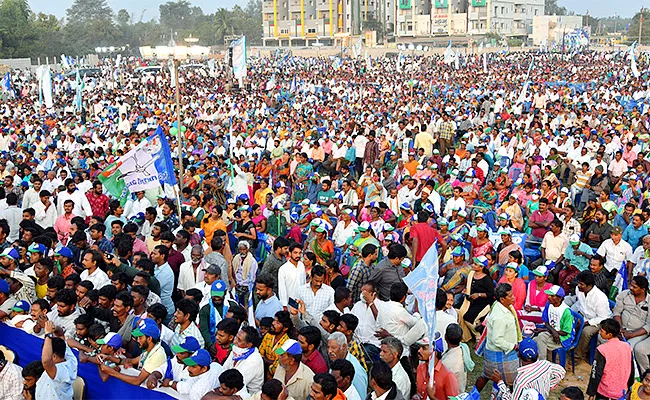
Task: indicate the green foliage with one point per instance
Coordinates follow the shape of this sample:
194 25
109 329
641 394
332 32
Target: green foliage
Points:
92 23
552 8
633 31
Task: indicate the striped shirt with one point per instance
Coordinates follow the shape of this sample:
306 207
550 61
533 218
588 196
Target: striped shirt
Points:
582 179
541 375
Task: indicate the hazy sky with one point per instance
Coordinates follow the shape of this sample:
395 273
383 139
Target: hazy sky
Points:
149 8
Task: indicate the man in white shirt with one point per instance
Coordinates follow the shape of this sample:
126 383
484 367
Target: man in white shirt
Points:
344 228
615 250
391 352
246 358
291 275
593 304
81 205
136 206
455 203
14 217
395 320
31 195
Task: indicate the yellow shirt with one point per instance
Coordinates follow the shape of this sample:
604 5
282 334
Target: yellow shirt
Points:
260 196
41 290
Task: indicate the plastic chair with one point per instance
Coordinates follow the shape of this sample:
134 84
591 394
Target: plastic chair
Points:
578 324
78 387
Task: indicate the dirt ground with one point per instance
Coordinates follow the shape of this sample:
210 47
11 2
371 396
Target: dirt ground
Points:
579 379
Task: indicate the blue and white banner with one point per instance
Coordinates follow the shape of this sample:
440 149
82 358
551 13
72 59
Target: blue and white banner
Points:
239 57
5 85
149 165
78 98
423 283
45 85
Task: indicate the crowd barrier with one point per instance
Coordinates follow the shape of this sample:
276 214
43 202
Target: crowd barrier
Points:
28 348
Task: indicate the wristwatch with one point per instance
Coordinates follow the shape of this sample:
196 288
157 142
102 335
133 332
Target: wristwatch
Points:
50 335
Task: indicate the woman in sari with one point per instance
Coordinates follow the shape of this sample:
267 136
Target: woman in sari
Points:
548 191
503 184
536 298
487 197
198 212
258 219
506 246
511 276
321 246
300 176
628 191
479 292
373 189
481 244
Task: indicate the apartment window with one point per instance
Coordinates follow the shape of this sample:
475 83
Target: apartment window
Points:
496 9
284 31
536 11
311 30
481 26
409 26
503 10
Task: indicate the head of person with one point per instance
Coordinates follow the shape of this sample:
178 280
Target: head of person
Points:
609 329
398 292
586 281
318 273
337 346
343 372
575 393
31 374
324 387
264 286
247 338
309 338
185 349
227 328
381 377
391 350
231 381
66 300
186 312
504 295
289 355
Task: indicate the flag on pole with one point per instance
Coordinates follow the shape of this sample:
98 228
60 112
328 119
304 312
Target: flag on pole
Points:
46 85
485 70
456 61
449 54
79 93
423 283
294 86
620 282
635 70
147 166
400 61
524 90
64 62
356 48
336 64
239 57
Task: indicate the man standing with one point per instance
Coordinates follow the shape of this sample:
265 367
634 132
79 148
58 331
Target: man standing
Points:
165 276
316 295
424 236
97 199
269 303
391 352
276 259
244 269
360 271
388 271
291 276
63 223
60 366
275 338
81 205
45 211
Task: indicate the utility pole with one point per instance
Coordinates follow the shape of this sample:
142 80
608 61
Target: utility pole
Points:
640 24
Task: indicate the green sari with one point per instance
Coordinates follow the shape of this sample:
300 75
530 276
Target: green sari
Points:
322 255
482 206
302 171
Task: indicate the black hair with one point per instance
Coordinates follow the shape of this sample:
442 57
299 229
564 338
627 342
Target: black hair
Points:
85 319
238 312
640 281
66 296
284 318
125 298
575 393
501 291
318 270
56 282
195 294
332 316
267 322
96 331
108 291
312 335
167 236
34 370
265 279
157 311
586 277
74 277
280 242
396 251
228 325
272 389
141 290
187 306
163 250
341 293
252 335
368 250
382 375
99 228
398 291
232 378
327 383
351 321
58 347
441 299
345 368
611 326
43 304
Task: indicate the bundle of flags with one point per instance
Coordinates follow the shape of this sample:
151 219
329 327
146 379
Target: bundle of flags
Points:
5 85
635 70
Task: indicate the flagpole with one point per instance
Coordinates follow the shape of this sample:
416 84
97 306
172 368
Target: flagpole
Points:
181 167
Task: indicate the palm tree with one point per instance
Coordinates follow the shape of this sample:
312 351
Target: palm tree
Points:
222 23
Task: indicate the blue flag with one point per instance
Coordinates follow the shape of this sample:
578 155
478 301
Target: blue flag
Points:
423 283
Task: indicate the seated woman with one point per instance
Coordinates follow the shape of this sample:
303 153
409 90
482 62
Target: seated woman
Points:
479 294
511 276
481 244
536 298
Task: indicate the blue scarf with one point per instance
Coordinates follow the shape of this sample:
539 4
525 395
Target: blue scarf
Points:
213 320
244 355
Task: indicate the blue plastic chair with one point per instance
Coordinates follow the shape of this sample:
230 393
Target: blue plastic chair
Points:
578 324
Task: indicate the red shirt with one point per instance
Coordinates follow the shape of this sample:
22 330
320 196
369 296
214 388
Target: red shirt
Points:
446 382
315 362
426 237
98 204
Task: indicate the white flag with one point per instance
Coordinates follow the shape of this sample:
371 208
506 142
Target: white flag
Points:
635 70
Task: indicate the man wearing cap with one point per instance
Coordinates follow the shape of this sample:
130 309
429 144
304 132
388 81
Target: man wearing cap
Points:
213 312
294 374
202 379
539 375
175 369
558 321
153 355
9 268
7 300
615 250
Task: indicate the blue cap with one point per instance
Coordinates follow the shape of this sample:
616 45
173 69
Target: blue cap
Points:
64 252
218 288
111 339
37 248
201 357
438 344
528 348
190 345
290 347
4 287
405 206
146 327
21 306
458 251
11 253
481 260
243 197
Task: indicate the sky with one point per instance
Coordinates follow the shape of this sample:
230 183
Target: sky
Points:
149 8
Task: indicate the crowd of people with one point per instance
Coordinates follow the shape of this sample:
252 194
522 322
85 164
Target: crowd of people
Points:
275 268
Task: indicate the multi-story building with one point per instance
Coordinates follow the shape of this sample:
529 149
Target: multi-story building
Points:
504 17
549 29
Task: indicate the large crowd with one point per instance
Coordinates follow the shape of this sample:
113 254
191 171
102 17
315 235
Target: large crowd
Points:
275 268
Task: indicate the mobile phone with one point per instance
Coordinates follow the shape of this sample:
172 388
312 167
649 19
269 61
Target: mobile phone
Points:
293 303
109 256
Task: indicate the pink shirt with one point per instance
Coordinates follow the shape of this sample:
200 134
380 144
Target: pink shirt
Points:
139 245
62 228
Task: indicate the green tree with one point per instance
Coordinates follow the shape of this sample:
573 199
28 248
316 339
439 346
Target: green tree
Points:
86 11
179 16
16 33
222 24
552 8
